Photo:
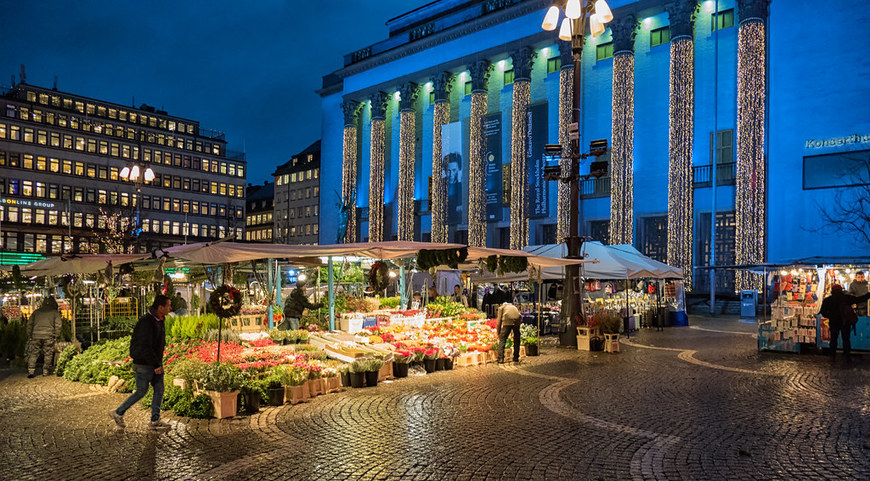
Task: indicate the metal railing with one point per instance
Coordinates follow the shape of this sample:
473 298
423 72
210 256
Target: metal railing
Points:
595 188
726 173
212 134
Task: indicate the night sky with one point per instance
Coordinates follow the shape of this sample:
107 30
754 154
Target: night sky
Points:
247 68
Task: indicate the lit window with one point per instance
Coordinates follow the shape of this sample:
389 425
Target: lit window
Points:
725 19
604 51
659 36
509 77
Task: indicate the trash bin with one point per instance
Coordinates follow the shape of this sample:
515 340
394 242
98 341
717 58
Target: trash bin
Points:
748 302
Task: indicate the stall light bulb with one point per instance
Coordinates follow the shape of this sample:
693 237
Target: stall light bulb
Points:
603 11
551 19
565 30
596 27
783 272
573 10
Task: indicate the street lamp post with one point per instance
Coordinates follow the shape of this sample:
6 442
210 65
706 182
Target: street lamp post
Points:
138 173
573 29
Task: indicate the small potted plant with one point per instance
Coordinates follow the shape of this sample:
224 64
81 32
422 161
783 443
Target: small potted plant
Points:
275 387
301 336
344 373
372 369
529 338
296 382
400 363
253 390
277 336
222 382
315 380
357 374
450 353
331 382
429 357
610 323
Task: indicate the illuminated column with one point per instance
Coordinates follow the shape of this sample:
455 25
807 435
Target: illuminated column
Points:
751 168
622 153
376 169
480 71
681 118
407 154
441 85
566 102
519 228
349 172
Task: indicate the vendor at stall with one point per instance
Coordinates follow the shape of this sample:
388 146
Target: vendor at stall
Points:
294 307
858 287
458 296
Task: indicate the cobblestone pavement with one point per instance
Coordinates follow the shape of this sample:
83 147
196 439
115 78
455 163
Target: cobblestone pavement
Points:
686 403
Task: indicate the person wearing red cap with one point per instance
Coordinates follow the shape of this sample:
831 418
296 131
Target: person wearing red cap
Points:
838 309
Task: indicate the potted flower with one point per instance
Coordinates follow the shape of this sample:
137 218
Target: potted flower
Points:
330 380
290 337
315 380
400 363
275 387
610 323
429 357
295 382
222 382
301 336
253 390
450 355
277 335
529 338
344 372
357 374
372 368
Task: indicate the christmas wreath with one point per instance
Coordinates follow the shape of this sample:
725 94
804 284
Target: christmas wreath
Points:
379 276
225 301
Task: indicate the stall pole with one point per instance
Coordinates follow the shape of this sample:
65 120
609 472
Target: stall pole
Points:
627 312
540 313
270 284
331 288
403 299
279 291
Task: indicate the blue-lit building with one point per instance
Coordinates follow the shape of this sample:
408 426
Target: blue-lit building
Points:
472 90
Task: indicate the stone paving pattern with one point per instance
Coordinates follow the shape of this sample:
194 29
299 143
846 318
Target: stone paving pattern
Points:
687 403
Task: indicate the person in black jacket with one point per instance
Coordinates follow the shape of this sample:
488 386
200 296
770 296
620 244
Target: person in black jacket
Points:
294 307
146 350
838 309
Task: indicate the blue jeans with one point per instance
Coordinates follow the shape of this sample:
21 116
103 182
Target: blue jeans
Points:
145 375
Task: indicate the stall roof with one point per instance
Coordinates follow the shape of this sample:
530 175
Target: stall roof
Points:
78 264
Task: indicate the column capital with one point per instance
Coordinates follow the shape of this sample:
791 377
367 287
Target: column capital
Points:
442 83
624 30
351 110
379 105
753 9
681 15
408 94
523 59
566 54
480 71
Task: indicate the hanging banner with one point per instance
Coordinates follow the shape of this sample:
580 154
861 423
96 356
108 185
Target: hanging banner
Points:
539 197
452 163
493 159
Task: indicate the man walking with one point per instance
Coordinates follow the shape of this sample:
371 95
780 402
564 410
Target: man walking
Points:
838 309
508 321
146 349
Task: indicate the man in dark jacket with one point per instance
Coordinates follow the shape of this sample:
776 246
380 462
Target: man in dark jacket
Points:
838 309
294 307
858 287
146 350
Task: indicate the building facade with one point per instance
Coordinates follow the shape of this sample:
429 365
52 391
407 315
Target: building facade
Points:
297 198
66 185
259 208
724 141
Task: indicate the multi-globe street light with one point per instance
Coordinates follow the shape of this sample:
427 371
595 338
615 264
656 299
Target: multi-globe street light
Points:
138 172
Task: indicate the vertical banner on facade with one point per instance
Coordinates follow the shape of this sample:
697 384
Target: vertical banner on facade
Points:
453 165
493 159
538 192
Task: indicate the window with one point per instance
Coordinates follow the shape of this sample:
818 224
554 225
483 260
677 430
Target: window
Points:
726 228
554 64
659 36
722 148
508 77
604 51
654 237
467 88
842 169
725 19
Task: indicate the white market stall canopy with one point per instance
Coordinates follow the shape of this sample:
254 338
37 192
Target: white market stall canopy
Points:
78 264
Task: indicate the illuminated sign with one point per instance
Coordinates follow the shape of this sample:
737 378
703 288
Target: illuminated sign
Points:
838 141
27 203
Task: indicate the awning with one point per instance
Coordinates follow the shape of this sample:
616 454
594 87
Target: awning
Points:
78 264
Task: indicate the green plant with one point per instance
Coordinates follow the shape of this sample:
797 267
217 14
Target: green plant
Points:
357 367
191 327
608 321
275 379
13 340
302 335
253 386
389 302
277 335
199 407
530 341
195 303
68 353
427 259
171 395
190 370
294 375
373 365
527 331
226 335
221 377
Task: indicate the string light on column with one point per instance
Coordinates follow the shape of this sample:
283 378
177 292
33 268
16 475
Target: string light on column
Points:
376 183
441 117
622 175
349 177
476 173
750 188
681 135
519 164
566 100
407 143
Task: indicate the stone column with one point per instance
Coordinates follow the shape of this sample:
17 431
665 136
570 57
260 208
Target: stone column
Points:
376 170
519 228
622 151
480 71
407 154
441 85
349 172
566 104
751 168
681 116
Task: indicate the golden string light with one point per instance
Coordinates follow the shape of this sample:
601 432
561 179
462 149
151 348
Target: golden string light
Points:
349 178
519 228
407 144
680 138
477 173
441 116
566 102
622 153
376 183
750 188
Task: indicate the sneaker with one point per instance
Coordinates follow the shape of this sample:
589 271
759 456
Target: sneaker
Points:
158 425
119 420
31 376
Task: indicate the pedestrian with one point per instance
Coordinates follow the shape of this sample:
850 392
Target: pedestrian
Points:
179 305
146 350
837 308
43 329
294 307
433 294
858 287
458 296
509 320
416 302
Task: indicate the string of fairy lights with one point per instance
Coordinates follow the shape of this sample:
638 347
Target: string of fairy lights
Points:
407 143
519 164
680 138
349 177
750 188
566 102
477 173
376 182
441 116
621 177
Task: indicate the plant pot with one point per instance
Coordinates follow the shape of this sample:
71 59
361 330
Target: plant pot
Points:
252 402
296 394
225 403
371 378
276 396
400 369
429 365
439 364
531 349
448 364
386 371
333 384
345 379
357 379
314 387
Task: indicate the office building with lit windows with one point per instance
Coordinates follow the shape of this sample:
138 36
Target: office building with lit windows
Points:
722 115
260 204
68 173
297 198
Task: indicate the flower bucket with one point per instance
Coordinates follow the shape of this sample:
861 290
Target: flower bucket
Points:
429 365
531 349
345 379
296 394
400 369
225 403
276 396
448 364
371 378
252 402
439 364
357 379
